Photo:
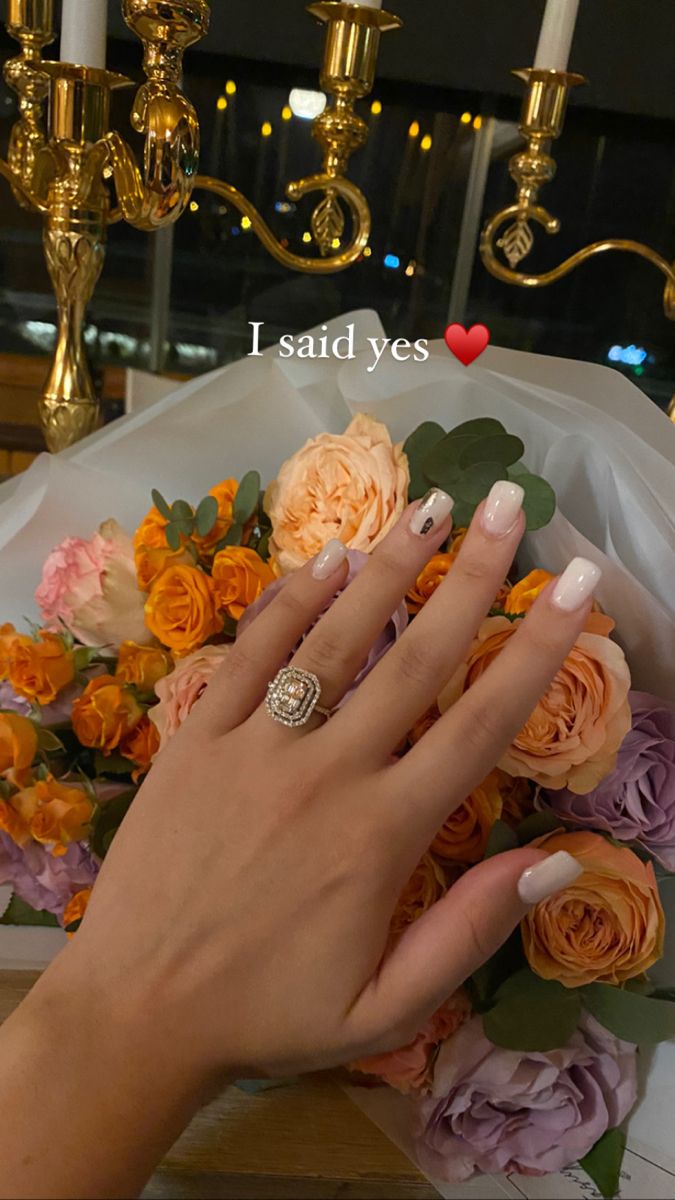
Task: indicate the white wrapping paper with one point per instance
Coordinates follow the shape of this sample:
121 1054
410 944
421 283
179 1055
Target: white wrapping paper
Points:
601 443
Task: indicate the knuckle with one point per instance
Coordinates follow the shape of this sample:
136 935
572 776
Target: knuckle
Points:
481 725
327 650
290 604
239 663
387 563
417 662
472 568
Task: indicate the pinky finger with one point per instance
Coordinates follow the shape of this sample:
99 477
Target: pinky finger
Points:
239 686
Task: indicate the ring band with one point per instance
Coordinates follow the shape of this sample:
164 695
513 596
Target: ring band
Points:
293 697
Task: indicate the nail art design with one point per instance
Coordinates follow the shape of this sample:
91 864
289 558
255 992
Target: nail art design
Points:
331 557
502 508
576 585
549 876
431 512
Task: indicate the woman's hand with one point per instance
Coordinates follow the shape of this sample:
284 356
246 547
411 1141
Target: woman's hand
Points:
240 922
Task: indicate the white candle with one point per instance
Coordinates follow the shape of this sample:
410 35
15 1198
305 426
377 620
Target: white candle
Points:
557 32
84 32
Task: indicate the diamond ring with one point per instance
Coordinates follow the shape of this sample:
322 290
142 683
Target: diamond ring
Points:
293 697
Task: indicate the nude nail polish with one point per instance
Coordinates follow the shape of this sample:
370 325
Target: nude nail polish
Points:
576 585
329 560
551 875
502 508
431 512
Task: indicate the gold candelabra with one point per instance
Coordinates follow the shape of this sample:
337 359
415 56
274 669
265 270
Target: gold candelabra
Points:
82 176
542 121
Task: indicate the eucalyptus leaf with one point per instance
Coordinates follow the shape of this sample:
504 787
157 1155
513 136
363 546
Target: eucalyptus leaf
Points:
207 515
540 502
232 538
537 825
501 839
74 926
630 1016
263 547
184 528
442 463
603 1163
531 1014
487 980
246 499
417 448
478 427
462 514
161 505
172 537
182 511
502 448
474 484
112 764
108 820
20 913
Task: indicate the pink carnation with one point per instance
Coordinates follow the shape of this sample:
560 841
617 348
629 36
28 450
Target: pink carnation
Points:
180 691
410 1069
90 587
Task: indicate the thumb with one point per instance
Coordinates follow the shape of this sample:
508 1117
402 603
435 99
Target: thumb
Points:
455 937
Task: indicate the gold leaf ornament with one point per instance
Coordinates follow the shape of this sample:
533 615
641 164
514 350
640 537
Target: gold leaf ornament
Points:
516 242
328 222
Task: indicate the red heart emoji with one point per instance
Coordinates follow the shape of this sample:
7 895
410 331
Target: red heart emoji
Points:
467 344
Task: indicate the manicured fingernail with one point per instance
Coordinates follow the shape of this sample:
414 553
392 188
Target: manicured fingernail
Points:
549 876
431 512
502 508
331 557
576 584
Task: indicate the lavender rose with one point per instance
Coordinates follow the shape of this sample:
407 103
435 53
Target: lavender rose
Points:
636 802
396 626
497 1110
41 880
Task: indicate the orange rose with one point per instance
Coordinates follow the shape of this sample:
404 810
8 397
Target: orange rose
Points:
573 735
141 746
7 635
523 594
152 554
424 888
517 798
105 713
56 813
425 723
606 927
142 666
151 532
353 487
240 577
225 494
464 837
76 908
40 670
429 579
13 824
18 742
181 610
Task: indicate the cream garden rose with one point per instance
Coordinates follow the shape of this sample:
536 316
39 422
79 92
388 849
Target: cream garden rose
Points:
352 486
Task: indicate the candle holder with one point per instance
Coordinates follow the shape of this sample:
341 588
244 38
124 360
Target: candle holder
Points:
82 175
542 121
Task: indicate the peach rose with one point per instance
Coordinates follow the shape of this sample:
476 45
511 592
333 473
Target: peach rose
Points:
353 487
75 909
142 666
105 713
56 814
517 798
606 927
410 1069
140 747
39 670
572 737
426 885
181 610
7 636
464 837
18 742
524 593
240 577
91 587
180 691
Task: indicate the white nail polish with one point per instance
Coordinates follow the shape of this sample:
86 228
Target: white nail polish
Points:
502 508
575 585
551 875
431 512
331 557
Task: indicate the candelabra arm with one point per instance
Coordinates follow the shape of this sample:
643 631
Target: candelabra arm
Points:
324 265
29 22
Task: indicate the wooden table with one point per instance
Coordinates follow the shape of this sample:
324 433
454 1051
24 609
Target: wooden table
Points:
304 1142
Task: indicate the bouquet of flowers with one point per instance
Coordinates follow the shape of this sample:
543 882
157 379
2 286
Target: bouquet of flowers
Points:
532 1065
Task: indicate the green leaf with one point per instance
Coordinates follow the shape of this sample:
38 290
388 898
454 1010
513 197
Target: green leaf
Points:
478 427
540 500
516 470
182 511
629 1016
664 993
441 465
232 538
462 514
207 515
84 656
74 926
417 448
474 484
161 505
108 820
532 1014
263 547
603 1163
112 764
246 499
501 839
537 825
49 742
20 913
487 980
502 448
172 536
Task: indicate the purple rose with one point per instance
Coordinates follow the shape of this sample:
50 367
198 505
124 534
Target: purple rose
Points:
496 1110
395 627
41 880
636 803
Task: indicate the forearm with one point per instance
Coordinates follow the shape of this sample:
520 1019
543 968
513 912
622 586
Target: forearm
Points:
90 1099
